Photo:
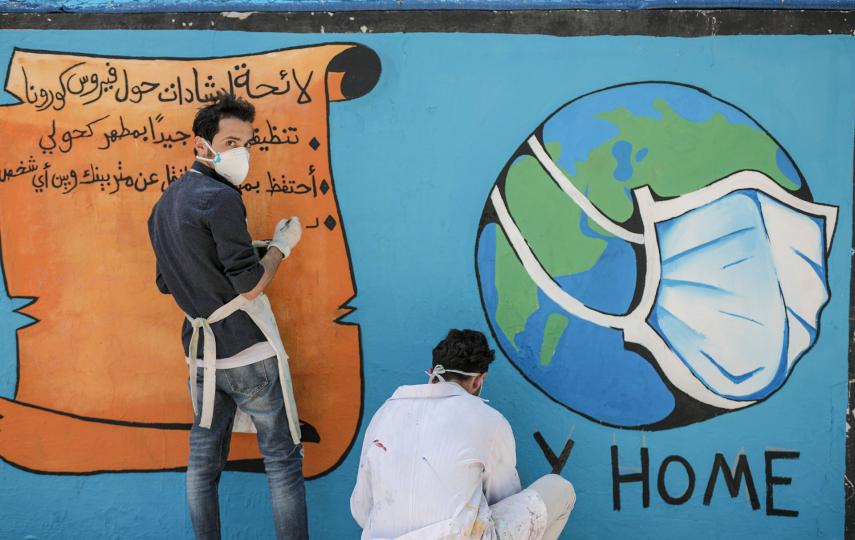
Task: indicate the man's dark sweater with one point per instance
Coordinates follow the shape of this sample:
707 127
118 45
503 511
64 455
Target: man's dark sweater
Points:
204 255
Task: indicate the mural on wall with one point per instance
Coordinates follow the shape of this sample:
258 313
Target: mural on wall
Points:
619 199
88 150
651 257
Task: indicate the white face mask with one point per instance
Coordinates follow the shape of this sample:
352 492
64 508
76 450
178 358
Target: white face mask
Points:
735 280
232 164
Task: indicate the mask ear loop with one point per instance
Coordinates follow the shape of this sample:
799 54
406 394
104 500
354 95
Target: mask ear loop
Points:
216 158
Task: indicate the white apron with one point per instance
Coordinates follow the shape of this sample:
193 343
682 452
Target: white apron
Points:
261 313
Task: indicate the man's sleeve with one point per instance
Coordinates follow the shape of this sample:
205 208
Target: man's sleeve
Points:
158 279
500 476
158 275
361 500
227 221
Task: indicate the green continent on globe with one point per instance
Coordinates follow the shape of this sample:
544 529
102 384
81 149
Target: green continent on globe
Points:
555 326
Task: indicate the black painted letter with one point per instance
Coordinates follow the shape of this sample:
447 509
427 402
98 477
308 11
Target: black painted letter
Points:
732 479
663 490
772 481
643 477
557 462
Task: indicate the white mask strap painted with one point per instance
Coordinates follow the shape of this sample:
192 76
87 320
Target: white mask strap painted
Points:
438 370
541 277
573 192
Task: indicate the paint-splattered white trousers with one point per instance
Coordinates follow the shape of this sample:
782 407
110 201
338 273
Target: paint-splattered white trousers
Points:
538 512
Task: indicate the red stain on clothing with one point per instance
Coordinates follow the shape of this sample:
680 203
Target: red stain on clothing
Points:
378 444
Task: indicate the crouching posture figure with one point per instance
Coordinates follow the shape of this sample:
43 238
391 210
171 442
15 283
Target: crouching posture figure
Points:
437 462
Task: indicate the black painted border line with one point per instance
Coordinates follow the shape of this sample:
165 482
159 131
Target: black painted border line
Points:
664 22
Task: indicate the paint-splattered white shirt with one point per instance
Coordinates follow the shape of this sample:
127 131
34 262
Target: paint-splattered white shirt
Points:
433 459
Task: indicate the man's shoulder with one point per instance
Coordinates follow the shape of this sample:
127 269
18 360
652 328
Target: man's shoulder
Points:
492 414
473 405
482 420
198 180
194 184
210 194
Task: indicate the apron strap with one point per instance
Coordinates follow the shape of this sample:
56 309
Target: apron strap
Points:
260 312
209 358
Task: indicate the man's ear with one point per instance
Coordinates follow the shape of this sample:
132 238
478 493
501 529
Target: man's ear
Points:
199 147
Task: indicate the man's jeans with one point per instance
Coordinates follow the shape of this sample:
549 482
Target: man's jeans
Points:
256 390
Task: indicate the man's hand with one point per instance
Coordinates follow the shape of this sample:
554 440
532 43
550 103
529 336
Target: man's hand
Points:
286 235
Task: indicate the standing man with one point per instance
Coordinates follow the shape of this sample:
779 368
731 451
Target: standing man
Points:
206 261
438 462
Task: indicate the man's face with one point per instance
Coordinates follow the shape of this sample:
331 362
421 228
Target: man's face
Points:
232 133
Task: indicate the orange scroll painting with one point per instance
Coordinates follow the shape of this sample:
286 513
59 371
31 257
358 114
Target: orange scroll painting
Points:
87 152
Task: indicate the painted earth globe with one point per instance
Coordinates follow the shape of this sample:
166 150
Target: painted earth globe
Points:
650 257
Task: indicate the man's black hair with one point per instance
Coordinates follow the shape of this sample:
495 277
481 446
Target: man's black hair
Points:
207 121
463 350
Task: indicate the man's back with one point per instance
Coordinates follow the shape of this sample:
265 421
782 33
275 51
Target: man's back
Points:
204 254
433 455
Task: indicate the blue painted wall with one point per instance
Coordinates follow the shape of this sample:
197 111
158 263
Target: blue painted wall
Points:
414 162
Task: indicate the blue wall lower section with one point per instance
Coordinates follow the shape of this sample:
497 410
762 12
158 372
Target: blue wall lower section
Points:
414 162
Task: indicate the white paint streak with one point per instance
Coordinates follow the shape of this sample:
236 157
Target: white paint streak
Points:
540 276
578 197
241 15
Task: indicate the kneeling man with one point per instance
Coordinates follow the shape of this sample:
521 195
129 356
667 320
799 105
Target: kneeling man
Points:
438 462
